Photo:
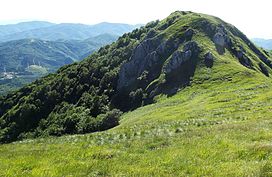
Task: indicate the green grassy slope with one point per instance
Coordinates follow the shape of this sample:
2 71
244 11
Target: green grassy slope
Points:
219 125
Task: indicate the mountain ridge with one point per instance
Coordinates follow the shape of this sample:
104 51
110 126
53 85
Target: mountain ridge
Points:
28 59
264 43
160 58
64 31
200 106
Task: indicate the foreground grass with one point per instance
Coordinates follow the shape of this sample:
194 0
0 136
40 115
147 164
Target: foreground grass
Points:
219 126
219 130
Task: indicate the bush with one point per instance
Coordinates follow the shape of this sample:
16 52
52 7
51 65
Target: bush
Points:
109 120
71 119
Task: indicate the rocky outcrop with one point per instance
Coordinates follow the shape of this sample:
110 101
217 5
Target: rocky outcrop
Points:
242 57
208 59
264 69
189 34
149 56
221 39
144 55
179 57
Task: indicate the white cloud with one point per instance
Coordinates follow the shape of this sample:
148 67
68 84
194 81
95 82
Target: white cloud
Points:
251 17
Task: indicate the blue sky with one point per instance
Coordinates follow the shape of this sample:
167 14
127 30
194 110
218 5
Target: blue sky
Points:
252 17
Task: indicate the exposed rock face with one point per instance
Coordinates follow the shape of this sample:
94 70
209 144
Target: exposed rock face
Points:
150 34
241 55
267 61
143 56
208 59
189 34
150 55
179 57
221 39
264 69
243 59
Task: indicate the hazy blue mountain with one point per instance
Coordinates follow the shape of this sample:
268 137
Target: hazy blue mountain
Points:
69 31
264 43
30 50
23 61
24 26
102 38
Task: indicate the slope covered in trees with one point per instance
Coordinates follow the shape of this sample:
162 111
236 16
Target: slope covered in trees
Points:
160 58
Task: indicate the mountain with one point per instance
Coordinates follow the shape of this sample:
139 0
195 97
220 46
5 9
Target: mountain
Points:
24 26
69 31
28 59
196 96
17 55
264 43
102 38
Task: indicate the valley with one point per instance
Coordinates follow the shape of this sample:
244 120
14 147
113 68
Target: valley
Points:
26 58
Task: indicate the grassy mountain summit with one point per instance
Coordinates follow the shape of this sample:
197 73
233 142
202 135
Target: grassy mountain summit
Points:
209 114
160 58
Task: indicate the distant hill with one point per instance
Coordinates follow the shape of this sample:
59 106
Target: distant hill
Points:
264 43
17 55
29 50
24 26
66 31
29 59
102 38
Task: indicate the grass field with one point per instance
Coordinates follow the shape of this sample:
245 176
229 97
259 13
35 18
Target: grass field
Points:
219 126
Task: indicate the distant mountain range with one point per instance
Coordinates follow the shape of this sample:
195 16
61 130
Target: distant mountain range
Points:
24 26
264 43
19 54
30 50
67 31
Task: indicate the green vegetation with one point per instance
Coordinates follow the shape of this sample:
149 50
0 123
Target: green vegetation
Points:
35 69
51 46
11 85
33 58
212 128
209 96
17 55
103 82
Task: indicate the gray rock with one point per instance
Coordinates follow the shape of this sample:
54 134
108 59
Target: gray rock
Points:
243 59
221 39
143 57
189 33
240 54
151 33
177 59
264 69
191 45
180 57
208 59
